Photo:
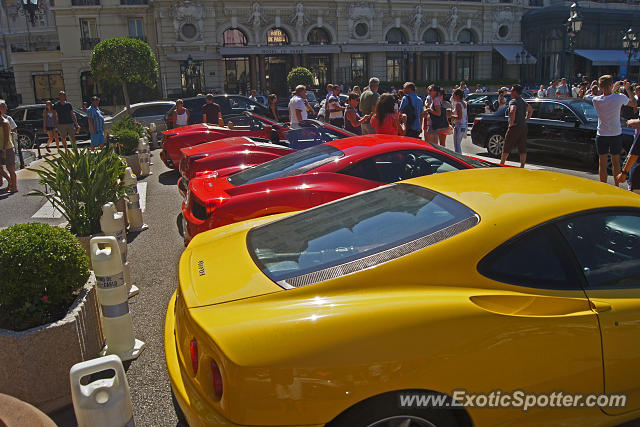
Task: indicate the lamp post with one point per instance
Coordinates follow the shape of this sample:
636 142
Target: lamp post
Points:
523 58
191 72
630 43
29 8
574 25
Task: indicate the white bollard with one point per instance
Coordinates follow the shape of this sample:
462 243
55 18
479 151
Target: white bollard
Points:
153 130
113 297
134 213
112 224
104 402
143 157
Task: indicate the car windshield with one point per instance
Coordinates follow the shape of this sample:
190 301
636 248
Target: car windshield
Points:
292 164
473 162
311 134
355 227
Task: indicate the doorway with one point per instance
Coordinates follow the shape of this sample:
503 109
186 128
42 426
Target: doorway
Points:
276 69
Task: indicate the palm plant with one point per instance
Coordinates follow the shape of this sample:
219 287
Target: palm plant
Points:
79 183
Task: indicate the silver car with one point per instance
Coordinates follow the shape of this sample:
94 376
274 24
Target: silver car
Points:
145 113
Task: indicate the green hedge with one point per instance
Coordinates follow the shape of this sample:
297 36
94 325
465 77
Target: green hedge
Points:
42 269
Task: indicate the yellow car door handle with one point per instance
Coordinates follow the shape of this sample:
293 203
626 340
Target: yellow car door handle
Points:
533 305
599 306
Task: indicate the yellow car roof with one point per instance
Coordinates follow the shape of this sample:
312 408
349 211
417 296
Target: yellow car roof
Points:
531 196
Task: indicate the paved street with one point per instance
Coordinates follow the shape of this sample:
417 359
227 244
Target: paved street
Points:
153 256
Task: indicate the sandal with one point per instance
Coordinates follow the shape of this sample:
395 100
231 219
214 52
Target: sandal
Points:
12 190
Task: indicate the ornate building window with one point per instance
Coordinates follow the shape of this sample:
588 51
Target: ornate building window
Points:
465 66
234 37
192 77
466 37
319 36
432 36
431 65
395 69
277 37
47 86
359 67
396 36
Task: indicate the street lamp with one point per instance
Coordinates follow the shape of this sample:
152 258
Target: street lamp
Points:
191 73
574 23
29 8
630 43
523 58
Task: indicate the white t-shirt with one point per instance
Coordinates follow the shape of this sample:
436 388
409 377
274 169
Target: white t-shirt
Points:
608 108
296 103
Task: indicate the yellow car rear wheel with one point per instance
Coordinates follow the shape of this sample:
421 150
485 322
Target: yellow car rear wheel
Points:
385 410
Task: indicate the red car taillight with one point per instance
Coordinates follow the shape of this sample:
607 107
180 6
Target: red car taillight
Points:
193 349
216 379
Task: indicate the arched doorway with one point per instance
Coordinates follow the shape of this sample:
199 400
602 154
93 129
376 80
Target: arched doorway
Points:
237 69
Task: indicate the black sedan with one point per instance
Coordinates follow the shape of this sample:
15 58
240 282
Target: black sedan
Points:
562 127
29 120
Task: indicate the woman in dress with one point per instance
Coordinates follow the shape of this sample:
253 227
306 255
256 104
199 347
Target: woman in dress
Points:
385 119
272 100
352 119
438 116
50 125
180 116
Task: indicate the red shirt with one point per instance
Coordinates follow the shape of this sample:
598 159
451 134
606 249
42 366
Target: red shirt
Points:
389 125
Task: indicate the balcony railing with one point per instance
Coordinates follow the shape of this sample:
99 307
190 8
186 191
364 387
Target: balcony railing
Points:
85 2
143 38
88 43
133 2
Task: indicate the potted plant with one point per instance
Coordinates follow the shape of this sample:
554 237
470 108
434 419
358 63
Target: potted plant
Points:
78 184
49 318
128 133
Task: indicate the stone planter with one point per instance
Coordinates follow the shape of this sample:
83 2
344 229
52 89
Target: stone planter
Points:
36 362
134 163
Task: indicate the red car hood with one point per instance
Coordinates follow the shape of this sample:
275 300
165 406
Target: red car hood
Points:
213 146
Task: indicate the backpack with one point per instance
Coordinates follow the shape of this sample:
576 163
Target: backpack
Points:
410 111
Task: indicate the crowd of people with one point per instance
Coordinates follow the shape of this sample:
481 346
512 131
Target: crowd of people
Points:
399 112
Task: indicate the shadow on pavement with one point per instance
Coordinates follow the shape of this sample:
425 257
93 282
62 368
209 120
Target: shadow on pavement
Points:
543 159
179 224
169 177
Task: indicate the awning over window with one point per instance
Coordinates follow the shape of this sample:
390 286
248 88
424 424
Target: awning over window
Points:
600 57
512 53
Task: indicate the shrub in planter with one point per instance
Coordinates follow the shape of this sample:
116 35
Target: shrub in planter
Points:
42 270
79 183
127 141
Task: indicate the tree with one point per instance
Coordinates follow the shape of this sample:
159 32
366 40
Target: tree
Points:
299 76
124 61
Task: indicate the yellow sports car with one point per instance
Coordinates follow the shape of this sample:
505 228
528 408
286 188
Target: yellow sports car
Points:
480 297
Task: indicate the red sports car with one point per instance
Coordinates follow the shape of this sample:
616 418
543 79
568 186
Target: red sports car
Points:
230 155
313 176
244 125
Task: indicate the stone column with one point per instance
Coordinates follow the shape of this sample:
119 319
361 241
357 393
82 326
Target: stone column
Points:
262 73
454 67
445 68
253 64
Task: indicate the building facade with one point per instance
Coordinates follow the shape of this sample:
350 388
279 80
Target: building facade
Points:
597 48
236 46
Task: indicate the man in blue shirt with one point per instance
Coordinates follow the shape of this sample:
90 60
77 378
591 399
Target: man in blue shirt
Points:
412 107
96 124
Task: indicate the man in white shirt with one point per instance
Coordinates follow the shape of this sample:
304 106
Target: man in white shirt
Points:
609 134
298 105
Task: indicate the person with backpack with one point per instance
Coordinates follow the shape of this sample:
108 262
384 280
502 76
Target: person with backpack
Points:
412 107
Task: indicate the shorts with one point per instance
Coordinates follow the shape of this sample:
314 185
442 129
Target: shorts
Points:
9 158
97 139
516 137
609 145
51 128
67 129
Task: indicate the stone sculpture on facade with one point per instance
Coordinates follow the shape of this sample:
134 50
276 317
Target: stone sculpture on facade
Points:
417 21
184 13
299 20
359 12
